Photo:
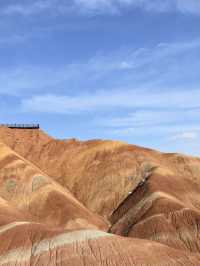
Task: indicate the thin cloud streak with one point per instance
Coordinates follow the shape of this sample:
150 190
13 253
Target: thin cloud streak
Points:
153 117
86 7
187 135
146 113
155 67
172 122
107 100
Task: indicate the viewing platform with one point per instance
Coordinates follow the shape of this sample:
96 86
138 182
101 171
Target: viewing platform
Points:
21 126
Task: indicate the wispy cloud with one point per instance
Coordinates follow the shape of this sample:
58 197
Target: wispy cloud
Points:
163 66
148 5
100 6
188 135
170 115
125 99
170 122
154 88
23 80
144 114
27 8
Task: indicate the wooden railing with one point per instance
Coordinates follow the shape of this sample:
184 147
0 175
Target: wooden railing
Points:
21 126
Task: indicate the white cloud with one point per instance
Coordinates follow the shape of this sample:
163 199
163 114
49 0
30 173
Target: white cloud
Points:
147 91
191 6
125 69
155 117
169 121
188 135
107 100
24 80
28 8
100 6
184 6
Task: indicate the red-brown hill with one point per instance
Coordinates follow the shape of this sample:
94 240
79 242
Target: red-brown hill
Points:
150 197
99 173
28 194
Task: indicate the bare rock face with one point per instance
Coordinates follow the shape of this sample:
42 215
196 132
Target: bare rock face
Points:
27 193
59 199
166 209
84 167
37 245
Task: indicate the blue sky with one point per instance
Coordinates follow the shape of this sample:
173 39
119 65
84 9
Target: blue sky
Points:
111 69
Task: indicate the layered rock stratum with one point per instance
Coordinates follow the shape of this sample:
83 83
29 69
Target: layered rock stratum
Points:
99 202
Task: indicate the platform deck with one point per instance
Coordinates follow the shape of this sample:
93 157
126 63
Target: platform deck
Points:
21 126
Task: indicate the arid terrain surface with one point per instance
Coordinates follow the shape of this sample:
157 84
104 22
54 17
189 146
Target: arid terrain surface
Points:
98 202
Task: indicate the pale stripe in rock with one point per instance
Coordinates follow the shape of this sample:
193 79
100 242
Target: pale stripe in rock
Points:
12 225
24 254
